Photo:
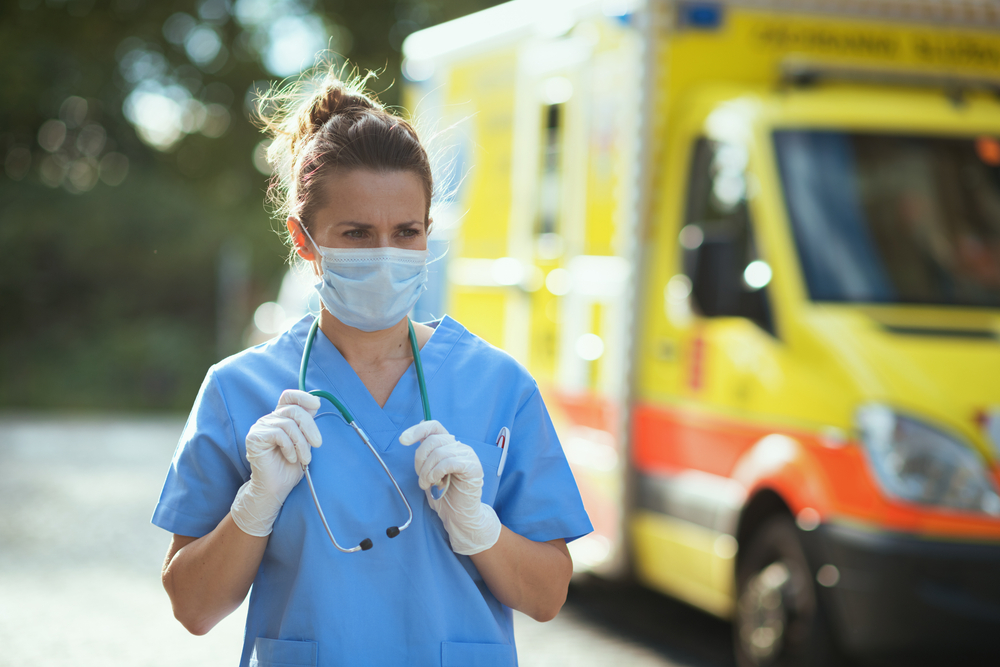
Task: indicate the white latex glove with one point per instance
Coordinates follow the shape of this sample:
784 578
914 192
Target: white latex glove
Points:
472 525
278 446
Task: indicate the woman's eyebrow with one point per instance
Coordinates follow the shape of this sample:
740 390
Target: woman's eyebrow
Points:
367 225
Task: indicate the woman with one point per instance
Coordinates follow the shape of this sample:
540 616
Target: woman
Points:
357 188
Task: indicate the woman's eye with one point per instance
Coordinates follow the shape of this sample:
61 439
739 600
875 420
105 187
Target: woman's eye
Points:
356 234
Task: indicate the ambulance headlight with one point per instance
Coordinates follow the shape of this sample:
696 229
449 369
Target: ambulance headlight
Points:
917 462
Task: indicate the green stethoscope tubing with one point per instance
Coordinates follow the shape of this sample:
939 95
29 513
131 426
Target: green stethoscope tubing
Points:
392 531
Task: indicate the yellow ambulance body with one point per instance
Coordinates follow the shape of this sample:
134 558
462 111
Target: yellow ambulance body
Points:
751 253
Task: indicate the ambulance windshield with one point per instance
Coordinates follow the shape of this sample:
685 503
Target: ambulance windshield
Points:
882 218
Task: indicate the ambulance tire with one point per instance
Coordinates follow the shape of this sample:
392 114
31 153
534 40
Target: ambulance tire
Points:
778 621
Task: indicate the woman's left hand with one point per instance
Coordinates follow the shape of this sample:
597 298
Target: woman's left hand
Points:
472 525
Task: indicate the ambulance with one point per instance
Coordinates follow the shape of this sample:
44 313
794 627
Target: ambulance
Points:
751 253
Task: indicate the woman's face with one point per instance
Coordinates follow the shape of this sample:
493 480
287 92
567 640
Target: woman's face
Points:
367 209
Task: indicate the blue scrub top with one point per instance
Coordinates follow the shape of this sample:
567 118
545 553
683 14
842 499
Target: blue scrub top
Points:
409 600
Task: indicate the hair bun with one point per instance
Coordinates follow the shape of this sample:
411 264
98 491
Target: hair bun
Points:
337 100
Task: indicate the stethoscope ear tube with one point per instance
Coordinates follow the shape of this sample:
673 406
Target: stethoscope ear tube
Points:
366 543
306 352
419 368
391 531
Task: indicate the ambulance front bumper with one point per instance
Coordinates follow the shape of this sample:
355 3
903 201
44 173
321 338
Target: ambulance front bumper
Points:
897 594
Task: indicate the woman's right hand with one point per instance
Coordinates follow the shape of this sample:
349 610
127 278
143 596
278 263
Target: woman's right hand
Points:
278 446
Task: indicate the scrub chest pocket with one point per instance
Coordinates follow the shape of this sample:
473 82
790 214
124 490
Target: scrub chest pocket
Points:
489 458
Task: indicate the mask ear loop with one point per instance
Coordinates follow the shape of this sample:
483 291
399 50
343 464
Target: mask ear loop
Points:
437 257
315 246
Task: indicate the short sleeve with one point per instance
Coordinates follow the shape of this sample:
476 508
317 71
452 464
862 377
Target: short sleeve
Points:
207 469
538 497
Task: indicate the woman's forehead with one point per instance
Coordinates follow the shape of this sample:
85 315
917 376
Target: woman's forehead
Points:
371 197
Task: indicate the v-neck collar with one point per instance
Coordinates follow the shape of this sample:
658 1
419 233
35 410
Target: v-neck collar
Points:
330 371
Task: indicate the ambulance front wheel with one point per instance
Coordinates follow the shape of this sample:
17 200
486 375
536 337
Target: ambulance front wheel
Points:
778 622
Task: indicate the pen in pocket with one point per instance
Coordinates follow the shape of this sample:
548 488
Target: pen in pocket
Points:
503 442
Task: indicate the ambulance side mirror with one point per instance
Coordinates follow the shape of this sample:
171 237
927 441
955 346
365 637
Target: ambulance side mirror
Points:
720 255
714 271
723 282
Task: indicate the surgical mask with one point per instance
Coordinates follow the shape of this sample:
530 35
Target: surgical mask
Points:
370 288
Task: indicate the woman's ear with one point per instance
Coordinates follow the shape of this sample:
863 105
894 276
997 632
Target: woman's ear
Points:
299 240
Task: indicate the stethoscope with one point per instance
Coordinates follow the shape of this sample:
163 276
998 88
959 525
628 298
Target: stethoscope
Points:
391 531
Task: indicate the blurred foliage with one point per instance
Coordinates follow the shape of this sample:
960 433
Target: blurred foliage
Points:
109 284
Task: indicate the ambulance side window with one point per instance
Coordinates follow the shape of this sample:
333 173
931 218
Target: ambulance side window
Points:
720 257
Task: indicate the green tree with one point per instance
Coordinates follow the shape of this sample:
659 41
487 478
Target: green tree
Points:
131 203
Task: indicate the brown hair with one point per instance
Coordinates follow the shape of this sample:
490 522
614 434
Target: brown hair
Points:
319 124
